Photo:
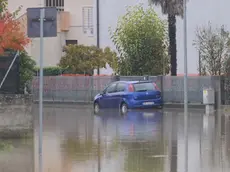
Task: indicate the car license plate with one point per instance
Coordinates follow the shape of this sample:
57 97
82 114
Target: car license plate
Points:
148 103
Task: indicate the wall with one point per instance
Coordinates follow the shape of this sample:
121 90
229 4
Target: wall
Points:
15 116
76 26
83 89
70 89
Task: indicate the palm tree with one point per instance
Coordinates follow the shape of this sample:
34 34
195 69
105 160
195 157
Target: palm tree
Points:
172 8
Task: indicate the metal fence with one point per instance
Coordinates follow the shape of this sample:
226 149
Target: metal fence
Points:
70 89
173 88
84 88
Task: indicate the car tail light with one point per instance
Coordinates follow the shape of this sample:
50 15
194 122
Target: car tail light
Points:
131 88
155 85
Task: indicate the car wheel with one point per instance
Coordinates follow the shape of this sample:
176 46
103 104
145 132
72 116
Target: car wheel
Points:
124 108
96 108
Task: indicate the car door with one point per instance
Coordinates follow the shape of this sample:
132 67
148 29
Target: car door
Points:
108 96
118 96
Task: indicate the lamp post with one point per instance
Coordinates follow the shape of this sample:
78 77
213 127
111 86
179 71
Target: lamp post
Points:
42 13
98 28
185 90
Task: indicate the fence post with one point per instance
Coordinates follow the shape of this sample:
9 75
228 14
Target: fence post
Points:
219 95
92 88
32 89
222 90
115 78
162 87
216 84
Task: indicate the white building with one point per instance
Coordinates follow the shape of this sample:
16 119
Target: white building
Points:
75 26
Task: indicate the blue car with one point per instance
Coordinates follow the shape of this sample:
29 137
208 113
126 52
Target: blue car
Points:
128 95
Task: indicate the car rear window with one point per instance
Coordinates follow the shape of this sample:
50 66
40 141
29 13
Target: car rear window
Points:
146 86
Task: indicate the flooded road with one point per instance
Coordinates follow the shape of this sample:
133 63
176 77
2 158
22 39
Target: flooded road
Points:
75 140
16 155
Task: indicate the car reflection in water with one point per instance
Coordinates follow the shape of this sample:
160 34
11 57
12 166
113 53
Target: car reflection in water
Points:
138 125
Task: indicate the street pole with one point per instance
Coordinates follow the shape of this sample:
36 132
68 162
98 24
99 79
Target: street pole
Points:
185 90
42 15
98 28
99 150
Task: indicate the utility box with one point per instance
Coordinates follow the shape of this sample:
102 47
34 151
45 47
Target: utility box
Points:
209 96
146 78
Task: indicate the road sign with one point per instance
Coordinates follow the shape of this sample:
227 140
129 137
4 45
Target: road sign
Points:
49 23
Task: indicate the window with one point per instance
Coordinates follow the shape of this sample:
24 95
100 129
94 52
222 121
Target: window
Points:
121 87
59 4
111 88
71 42
87 13
146 86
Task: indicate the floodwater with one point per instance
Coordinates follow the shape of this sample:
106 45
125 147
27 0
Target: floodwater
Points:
75 140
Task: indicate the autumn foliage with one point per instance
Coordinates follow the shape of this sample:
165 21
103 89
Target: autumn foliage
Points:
11 35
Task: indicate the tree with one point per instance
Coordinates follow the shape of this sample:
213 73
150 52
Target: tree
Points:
140 38
11 36
12 39
172 8
84 59
26 70
213 46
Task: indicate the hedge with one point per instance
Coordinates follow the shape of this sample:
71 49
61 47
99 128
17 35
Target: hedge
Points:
50 71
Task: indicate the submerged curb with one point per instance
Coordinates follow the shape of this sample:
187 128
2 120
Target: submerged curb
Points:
166 105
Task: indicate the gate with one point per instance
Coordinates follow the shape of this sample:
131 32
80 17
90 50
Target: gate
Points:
12 82
225 90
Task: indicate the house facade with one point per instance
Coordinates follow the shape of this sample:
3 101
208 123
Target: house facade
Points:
75 26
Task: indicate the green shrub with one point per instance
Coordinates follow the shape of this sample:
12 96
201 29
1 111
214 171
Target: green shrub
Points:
27 65
50 71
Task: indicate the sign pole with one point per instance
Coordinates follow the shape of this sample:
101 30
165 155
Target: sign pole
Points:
42 14
185 90
41 23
